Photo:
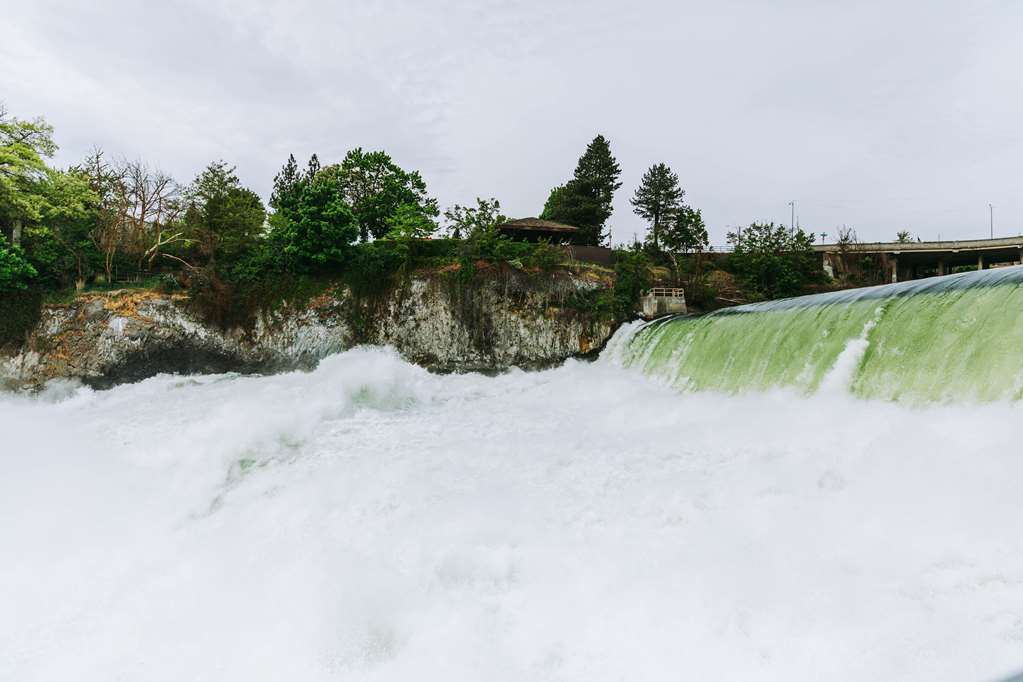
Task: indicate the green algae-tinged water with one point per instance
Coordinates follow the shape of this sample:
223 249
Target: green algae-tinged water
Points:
954 338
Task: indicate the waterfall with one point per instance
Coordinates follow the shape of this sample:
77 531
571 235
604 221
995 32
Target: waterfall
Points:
943 339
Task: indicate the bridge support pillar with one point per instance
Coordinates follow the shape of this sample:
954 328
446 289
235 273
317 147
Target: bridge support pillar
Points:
941 267
895 270
980 261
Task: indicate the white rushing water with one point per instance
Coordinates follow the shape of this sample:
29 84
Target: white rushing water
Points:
371 521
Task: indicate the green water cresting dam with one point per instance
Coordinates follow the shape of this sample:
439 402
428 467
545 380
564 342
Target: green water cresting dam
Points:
957 338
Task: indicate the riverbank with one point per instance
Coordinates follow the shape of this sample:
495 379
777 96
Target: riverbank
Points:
501 317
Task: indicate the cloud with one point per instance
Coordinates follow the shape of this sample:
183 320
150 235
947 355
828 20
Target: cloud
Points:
880 116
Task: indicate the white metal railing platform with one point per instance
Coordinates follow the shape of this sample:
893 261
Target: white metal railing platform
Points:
673 292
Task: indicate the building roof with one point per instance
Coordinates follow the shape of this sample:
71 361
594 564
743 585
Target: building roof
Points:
537 225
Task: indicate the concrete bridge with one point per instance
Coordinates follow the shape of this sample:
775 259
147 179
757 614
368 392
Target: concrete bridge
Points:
912 260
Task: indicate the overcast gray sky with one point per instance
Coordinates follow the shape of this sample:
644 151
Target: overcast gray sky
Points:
877 115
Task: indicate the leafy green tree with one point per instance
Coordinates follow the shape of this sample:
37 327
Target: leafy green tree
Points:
407 226
223 218
465 222
773 261
685 235
23 147
657 199
16 273
322 230
410 222
375 187
60 246
903 236
685 232
585 201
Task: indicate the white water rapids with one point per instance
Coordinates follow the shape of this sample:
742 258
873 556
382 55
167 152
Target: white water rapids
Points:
371 521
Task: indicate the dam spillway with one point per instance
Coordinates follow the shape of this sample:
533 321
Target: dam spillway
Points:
943 339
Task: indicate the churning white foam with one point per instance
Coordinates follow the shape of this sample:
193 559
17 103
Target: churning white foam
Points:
371 521
839 378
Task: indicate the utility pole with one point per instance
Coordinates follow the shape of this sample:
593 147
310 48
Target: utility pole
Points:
991 216
792 219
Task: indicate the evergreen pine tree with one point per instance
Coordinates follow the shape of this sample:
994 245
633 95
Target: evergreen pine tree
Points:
600 171
284 196
658 198
313 167
585 200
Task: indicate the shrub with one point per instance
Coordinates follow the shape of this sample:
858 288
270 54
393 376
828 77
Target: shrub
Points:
19 311
546 256
632 278
427 249
773 261
16 273
371 267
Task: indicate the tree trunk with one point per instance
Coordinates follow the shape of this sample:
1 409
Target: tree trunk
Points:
108 265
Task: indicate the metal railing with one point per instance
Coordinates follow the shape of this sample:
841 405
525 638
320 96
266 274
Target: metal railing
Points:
674 292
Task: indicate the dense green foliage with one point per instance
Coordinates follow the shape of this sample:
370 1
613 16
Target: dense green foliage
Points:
321 230
632 278
375 188
287 188
685 232
320 213
678 236
585 201
466 222
683 240
575 203
24 146
60 244
16 273
772 260
364 221
222 219
408 226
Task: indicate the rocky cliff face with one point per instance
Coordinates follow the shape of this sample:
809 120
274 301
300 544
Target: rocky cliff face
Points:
497 321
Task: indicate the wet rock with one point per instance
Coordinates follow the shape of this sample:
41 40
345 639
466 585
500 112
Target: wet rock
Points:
489 325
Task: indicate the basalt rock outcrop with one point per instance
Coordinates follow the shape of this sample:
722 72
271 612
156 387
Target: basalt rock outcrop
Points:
490 323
